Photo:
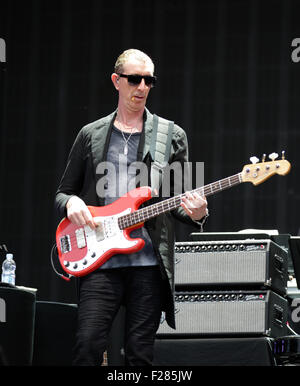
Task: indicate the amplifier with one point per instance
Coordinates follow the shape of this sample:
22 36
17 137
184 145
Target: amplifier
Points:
260 263
245 313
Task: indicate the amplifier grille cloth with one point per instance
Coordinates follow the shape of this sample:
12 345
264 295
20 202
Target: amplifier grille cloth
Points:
213 267
218 317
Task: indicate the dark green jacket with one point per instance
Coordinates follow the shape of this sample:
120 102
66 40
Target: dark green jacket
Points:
80 178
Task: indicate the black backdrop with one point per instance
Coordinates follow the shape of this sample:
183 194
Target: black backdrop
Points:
225 73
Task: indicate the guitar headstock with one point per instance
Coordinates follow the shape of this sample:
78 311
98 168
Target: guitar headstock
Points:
260 172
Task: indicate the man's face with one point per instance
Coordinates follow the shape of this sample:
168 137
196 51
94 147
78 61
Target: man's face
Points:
134 97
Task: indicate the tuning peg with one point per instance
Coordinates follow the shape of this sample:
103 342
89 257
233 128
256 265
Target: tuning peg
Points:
263 158
273 156
254 160
283 154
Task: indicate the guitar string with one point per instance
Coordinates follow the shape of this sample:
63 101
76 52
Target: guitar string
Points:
173 202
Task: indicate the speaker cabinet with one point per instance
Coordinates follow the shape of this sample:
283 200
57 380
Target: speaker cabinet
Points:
239 313
55 329
241 263
17 326
214 352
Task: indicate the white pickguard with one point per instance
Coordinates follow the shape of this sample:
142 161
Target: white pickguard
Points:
99 242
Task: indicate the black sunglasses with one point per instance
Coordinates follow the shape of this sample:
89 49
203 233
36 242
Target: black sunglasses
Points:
134 80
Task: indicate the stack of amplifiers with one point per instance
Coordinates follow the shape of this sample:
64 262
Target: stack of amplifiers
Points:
256 264
233 313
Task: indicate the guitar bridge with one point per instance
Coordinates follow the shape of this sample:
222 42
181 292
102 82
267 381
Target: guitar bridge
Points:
65 244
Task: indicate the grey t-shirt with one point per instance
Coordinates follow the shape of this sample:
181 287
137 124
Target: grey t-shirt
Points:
120 185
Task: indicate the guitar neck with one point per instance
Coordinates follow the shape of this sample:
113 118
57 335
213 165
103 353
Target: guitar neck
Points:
154 210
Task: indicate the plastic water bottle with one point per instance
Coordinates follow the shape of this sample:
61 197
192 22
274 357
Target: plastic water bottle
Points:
9 270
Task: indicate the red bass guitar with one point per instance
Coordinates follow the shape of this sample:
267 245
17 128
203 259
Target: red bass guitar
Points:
81 249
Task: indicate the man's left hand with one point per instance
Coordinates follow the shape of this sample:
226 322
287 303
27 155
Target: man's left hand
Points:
194 205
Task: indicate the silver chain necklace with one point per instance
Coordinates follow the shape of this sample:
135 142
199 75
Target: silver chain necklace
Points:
125 151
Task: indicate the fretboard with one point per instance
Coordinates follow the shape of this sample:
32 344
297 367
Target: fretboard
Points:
144 214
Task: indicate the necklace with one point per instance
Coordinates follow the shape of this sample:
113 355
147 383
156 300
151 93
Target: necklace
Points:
125 151
123 128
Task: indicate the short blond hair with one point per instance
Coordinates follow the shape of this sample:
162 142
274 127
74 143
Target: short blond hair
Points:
131 53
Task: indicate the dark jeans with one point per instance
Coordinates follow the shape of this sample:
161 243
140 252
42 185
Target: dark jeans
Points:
101 294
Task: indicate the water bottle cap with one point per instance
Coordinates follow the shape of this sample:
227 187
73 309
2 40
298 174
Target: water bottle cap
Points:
9 255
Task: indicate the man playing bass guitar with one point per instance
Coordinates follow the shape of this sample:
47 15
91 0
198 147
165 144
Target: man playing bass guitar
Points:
143 280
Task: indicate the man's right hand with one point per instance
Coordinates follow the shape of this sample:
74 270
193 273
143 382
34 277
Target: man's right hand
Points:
78 213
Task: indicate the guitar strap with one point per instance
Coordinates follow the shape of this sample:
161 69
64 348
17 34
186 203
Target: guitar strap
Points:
160 148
